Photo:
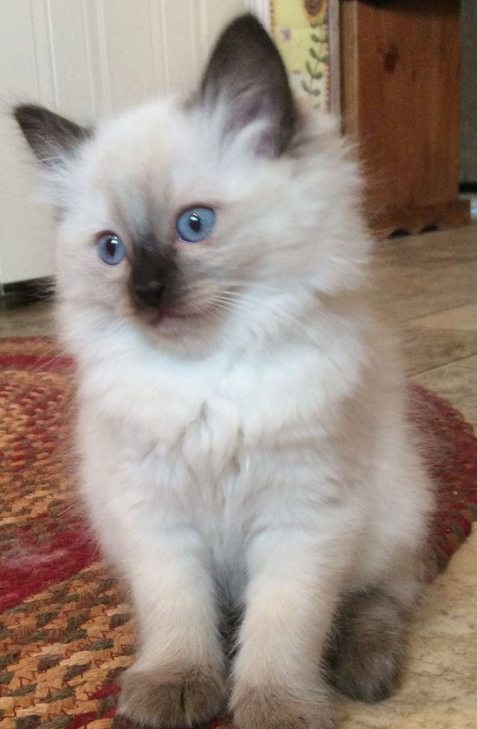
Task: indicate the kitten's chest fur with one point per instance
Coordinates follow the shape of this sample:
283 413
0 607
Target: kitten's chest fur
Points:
215 446
208 414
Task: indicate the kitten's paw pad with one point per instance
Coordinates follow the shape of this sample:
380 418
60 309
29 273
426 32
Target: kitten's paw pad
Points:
255 708
368 647
171 698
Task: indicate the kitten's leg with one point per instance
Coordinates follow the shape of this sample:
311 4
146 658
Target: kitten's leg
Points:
368 644
291 597
178 677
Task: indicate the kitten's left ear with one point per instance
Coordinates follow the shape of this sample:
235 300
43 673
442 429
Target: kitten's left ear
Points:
52 138
246 71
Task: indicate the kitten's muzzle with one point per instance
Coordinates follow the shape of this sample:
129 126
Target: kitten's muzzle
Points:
157 302
155 280
150 294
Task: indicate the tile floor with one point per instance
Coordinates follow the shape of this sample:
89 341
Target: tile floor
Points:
427 287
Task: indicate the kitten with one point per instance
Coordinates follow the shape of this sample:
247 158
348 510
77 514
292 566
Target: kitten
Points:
242 418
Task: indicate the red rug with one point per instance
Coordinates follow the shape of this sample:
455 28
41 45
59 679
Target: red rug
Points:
65 629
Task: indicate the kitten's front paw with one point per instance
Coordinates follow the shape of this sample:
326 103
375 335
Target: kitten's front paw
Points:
367 650
277 708
169 698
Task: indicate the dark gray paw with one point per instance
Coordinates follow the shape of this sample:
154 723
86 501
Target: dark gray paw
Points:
367 646
171 698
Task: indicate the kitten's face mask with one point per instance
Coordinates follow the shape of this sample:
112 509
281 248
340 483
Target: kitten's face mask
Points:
184 217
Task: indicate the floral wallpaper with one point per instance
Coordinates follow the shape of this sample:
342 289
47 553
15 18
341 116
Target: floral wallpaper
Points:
301 29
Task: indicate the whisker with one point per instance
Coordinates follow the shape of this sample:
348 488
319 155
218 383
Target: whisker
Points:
283 317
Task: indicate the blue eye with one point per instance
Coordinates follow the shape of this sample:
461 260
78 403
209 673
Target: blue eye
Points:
195 224
111 249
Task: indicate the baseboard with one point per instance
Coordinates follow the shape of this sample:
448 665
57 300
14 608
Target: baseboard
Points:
417 220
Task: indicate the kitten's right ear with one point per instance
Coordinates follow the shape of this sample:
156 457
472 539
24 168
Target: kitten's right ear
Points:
246 72
51 137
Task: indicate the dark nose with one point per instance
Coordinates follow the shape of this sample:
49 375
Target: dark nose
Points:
150 293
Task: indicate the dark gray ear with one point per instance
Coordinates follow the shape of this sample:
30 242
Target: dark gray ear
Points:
246 69
51 136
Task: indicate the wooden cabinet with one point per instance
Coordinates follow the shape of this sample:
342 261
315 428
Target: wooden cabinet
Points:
400 100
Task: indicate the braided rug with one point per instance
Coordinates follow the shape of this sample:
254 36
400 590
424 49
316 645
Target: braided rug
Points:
65 629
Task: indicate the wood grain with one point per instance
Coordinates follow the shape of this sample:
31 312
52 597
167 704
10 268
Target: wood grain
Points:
400 99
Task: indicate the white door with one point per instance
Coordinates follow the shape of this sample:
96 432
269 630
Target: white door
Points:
86 58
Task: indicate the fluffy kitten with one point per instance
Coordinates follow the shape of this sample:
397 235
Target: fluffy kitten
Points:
242 423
